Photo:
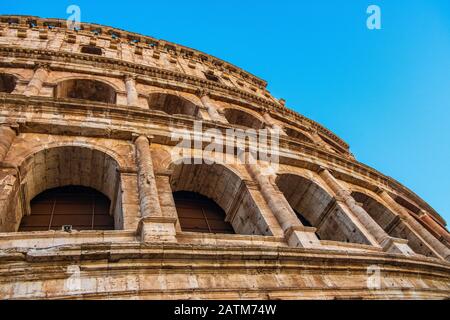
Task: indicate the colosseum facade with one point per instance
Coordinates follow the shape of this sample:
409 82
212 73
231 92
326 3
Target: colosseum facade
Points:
93 204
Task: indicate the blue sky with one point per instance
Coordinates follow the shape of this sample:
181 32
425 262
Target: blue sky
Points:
386 92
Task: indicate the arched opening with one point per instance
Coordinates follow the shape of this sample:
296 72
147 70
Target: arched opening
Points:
391 223
242 118
72 173
223 192
92 50
318 209
416 213
297 134
198 213
83 89
7 83
172 104
79 207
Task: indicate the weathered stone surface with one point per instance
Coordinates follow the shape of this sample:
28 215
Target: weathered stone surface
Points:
106 119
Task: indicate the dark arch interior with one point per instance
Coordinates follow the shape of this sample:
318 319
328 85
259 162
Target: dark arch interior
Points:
316 208
84 89
415 213
7 83
91 50
80 207
305 221
223 186
198 213
242 118
297 134
391 223
172 104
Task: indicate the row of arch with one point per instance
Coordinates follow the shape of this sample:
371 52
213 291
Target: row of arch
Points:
99 91
81 187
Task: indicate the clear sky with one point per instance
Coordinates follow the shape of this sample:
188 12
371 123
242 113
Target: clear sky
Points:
386 92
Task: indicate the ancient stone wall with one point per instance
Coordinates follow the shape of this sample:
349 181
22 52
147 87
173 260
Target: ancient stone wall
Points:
100 107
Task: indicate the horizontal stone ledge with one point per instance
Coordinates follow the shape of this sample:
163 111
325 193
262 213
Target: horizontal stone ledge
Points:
264 293
194 80
170 253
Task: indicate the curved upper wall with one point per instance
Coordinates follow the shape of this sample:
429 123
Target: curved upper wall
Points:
112 43
27 42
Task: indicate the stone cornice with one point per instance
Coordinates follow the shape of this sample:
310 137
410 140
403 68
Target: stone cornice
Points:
218 91
250 256
343 166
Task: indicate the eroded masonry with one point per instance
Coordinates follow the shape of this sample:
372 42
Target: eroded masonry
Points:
92 204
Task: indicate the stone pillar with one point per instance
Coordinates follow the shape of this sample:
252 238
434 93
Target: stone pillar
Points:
7 135
295 233
434 243
132 94
273 124
165 194
37 81
211 108
154 226
388 243
9 183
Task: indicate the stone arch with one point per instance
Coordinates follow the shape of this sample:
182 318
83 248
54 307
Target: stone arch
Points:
243 118
308 199
70 165
391 222
106 80
8 82
31 151
297 134
86 89
172 104
227 188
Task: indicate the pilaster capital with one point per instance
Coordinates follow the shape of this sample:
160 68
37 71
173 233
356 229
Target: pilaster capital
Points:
422 213
127 170
320 169
130 77
42 65
12 125
300 228
202 93
389 241
379 191
342 200
8 165
136 136
164 173
266 113
250 184
161 219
